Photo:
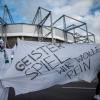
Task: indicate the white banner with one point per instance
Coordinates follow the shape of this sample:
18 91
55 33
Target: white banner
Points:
3 68
39 65
3 92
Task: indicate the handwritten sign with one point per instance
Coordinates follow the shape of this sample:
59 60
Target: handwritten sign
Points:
39 65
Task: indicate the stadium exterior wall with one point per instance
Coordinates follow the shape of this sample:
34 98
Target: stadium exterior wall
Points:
29 32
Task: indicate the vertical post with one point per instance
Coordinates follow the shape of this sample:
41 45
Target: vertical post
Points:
74 36
38 27
51 28
64 26
2 31
4 26
41 30
4 14
5 37
94 37
87 33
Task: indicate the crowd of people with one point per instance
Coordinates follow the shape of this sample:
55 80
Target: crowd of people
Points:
3 50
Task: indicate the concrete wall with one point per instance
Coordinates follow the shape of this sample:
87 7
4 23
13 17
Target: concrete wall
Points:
30 31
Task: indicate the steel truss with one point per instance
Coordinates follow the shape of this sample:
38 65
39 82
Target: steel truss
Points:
5 19
40 21
71 29
68 28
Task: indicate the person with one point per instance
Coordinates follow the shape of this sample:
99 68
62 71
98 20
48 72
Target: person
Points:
12 55
97 96
1 45
6 57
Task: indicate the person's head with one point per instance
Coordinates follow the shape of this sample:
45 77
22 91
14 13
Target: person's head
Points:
1 41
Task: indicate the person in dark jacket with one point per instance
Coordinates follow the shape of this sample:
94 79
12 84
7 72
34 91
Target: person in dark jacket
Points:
97 96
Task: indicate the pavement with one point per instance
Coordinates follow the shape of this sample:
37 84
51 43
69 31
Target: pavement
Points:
70 91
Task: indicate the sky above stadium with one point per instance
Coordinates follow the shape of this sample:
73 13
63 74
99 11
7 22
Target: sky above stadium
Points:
85 10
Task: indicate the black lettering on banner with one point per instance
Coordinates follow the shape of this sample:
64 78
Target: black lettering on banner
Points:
29 73
85 55
37 67
62 69
48 61
36 56
70 74
80 68
42 48
65 66
69 65
26 61
58 58
31 57
52 61
66 60
34 71
77 70
86 66
74 72
19 66
45 65
79 59
52 48
91 52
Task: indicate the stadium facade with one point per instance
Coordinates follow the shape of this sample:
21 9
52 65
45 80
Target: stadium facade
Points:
64 29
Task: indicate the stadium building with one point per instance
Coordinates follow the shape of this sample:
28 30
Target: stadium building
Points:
64 29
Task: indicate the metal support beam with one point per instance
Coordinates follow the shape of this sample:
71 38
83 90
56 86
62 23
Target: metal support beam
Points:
65 33
66 29
9 14
51 28
2 21
74 27
87 34
36 16
58 19
44 20
41 21
73 19
4 34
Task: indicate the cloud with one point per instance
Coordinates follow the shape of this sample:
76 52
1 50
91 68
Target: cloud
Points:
85 10
56 3
28 8
93 22
80 8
